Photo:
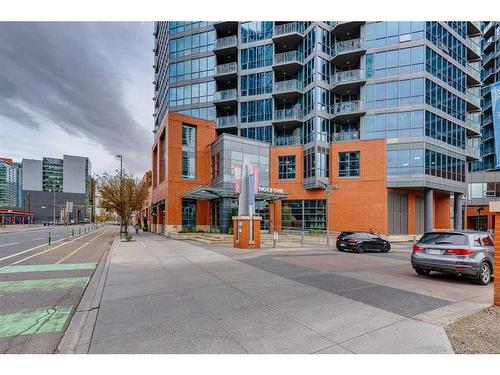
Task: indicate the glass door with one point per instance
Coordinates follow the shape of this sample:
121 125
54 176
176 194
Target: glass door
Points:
189 214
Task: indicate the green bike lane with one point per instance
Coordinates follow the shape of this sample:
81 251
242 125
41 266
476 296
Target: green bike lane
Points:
40 290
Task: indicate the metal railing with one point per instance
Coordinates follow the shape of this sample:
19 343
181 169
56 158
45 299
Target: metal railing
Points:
473 98
348 76
286 86
287 28
226 68
228 41
287 140
348 45
294 113
225 121
231 94
346 107
285 57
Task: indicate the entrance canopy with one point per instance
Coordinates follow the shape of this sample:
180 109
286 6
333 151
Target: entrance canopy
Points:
209 193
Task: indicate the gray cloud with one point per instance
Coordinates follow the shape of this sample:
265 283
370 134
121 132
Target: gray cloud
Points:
80 77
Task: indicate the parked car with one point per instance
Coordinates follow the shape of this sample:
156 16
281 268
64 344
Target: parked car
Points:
467 253
361 241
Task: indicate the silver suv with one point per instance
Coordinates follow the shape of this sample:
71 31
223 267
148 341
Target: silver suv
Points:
459 252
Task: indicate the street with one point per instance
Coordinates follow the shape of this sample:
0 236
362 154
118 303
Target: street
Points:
41 285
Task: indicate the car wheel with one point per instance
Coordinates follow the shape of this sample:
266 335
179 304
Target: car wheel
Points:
360 249
422 272
484 277
386 248
339 249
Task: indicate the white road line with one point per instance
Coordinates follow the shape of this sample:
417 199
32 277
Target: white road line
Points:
9 244
36 239
27 251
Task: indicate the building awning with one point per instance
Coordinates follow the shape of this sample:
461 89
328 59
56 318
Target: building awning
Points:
208 193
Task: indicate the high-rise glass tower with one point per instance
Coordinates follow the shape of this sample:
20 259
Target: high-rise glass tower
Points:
415 84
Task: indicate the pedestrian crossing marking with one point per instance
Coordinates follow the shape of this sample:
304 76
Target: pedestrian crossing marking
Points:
42 284
47 267
34 321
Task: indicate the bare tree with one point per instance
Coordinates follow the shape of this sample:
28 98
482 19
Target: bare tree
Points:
123 196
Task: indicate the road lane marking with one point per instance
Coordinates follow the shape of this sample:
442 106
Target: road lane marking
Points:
75 251
45 251
21 286
9 244
37 239
48 267
30 322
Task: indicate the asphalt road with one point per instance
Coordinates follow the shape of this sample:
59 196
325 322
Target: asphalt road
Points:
41 286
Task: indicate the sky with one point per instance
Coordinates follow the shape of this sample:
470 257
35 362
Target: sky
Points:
79 89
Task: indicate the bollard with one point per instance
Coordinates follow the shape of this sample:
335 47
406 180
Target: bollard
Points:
79 231
72 232
50 238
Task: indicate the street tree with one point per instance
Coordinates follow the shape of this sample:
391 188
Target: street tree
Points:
122 194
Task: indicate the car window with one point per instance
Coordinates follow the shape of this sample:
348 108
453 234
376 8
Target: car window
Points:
373 236
437 238
360 235
477 240
487 241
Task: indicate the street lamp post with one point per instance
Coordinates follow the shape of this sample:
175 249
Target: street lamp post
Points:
121 190
328 188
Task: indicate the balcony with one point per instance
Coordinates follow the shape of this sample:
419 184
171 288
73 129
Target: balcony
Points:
487 149
473 50
473 101
489 59
488 29
225 27
346 27
346 136
489 44
487 120
473 75
289 34
473 122
225 71
348 80
288 62
287 140
487 75
227 44
226 97
347 110
226 121
289 116
473 28
472 152
348 50
287 90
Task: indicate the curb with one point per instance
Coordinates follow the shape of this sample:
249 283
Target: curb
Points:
78 335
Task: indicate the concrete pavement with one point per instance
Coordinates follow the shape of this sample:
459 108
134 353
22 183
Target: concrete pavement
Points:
167 296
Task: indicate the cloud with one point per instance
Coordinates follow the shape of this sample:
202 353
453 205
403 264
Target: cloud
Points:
89 79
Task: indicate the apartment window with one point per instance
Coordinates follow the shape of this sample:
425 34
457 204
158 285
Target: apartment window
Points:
443 69
286 167
188 151
395 94
308 213
216 165
191 44
259 133
256 30
191 69
443 39
380 34
391 63
349 164
257 84
445 166
192 94
405 161
316 162
394 125
257 57
257 110
442 99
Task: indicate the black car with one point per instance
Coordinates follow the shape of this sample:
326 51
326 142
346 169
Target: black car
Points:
360 241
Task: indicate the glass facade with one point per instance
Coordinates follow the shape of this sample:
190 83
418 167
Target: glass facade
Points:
256 111
256 57
286 167
191 44
188 151
52 175
349 164
311 214
254 31
257 84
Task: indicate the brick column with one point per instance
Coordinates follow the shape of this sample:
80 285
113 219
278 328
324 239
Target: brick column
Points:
495 208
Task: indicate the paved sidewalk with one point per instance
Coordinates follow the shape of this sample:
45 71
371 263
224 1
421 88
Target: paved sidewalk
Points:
167 296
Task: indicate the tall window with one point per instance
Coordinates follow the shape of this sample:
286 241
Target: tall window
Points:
255 111
257 57
286 167
349 164
257 84
256 30
188 151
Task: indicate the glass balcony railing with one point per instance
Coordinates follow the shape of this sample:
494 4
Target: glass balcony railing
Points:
348 76
348 45
287 57
486 73
487 149
228 68
287 86
288 140
474 46
487 135
346 136
287 28
226 121
473 150
488 56
228 41
294 113
473 121
473 72
347 107
473 98
223 95
487 120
